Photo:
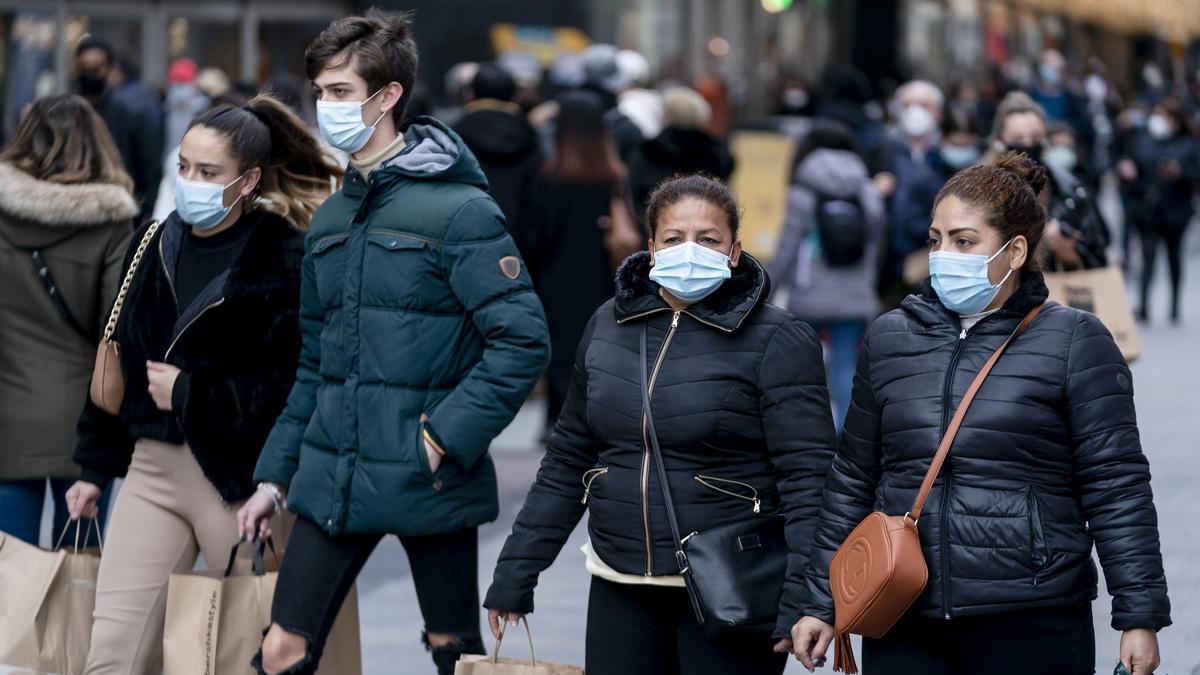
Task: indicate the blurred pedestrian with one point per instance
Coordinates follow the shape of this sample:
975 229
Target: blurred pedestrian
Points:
131 110
1076 236
602 75
829 251
683 147
66 211
571 202
744 427
420 339
962 139
1046 464
1052 91
184 100
506 145
1166 171
209 335
639 102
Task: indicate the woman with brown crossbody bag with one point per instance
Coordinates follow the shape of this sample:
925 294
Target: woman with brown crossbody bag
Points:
1039 461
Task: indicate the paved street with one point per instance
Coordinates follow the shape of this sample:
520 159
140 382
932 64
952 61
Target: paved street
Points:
1165 381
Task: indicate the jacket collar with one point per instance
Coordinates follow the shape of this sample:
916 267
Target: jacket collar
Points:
727 308
59 205
926 307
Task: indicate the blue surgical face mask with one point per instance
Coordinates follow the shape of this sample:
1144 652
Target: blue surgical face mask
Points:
961 280
341 123
959 157
202 205
690 271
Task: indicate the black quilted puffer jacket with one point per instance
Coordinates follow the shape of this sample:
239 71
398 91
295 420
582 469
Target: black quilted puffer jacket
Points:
1047 463
743 420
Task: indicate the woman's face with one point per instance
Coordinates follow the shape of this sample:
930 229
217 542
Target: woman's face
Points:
959 228
204 156
699 221
1023 130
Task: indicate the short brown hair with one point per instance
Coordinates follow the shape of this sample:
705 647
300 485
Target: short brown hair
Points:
63 140
1006 193
1015 103
380 47
693 186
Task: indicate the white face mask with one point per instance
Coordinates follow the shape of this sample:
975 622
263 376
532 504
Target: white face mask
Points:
1060 157
341 123
1159 127
917 122
201 204
690 271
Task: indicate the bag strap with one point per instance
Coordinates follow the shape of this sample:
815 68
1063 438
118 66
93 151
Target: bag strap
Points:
111 327
60 305
500 638
951 431
257 566
652 437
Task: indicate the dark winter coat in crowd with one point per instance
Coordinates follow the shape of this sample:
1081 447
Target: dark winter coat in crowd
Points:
1164 200
237 344
1047 463
1073 206
625 134
677 150
918 180
572 274
134 116
81 232
739 403
509 153
417 316
820 291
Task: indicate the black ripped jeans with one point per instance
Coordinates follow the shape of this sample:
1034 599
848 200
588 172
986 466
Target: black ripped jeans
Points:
318 570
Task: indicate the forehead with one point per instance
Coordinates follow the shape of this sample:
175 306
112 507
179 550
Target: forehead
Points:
1024 123
202 145
952 213
692 213
93 56
340 69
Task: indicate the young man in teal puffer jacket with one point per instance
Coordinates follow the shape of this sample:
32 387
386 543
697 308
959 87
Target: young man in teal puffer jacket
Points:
422 336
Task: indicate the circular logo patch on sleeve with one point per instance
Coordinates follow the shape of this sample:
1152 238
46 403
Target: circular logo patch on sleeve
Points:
510 266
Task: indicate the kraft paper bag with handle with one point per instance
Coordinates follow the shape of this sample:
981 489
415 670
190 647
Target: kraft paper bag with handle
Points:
478 664
46 603
1100 291
215 622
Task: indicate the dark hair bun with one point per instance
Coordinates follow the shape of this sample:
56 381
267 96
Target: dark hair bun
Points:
1020 165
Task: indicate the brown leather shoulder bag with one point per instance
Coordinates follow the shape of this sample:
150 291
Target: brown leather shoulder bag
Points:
108 384
880 570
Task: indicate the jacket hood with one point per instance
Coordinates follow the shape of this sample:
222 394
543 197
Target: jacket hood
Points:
927 308
838 173
432 151
497 136
39 213
727 308
690 148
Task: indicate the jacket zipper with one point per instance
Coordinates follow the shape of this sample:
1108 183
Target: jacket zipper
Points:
590 477
704 480
163 263
662 352
218 303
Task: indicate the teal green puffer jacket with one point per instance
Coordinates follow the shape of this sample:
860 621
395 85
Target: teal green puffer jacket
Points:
416 315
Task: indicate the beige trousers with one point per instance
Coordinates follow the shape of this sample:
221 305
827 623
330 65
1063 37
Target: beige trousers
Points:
165 514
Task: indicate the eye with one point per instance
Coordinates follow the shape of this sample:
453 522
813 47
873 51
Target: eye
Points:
207 174
671 239
963 242
708 240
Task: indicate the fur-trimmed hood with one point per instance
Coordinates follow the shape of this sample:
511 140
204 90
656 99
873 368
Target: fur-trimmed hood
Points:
37 213
726 308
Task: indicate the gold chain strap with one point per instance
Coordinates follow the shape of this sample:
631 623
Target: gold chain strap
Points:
111 327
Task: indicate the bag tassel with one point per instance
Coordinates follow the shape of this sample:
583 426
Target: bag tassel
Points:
843 654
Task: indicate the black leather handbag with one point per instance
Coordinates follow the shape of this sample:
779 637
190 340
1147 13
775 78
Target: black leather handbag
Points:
733 573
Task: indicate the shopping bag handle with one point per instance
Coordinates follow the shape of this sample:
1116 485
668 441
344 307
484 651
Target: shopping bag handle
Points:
500 638
91 524
259 546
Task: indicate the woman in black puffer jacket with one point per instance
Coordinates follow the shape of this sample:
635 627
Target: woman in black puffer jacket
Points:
1046 464
743 419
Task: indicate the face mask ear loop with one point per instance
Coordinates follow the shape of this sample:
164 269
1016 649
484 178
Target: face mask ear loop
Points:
997 253
381 114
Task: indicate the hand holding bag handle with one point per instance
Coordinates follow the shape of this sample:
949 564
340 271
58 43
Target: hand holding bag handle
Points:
880 570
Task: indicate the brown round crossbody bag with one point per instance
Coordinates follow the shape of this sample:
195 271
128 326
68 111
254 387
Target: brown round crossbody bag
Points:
879 571
108 384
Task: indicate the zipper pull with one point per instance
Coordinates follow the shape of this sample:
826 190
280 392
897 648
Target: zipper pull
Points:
586 490
757 504
675 320
963 334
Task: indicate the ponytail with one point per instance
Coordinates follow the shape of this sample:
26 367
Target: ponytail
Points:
297 175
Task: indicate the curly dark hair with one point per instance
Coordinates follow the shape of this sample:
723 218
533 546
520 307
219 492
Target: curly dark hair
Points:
696 186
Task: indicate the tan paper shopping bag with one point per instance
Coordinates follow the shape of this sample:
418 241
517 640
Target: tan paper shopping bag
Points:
215 622
1100 291
478 664
46 603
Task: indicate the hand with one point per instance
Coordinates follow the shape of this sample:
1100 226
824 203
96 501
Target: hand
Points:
784 646
435 457
254 518
1139 651
1064 248
495 616
811 638
885 183
81 500
162 383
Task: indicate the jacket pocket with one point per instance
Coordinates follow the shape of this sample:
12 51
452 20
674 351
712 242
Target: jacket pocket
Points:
329 266
731 488
1039 554
590 477
422 456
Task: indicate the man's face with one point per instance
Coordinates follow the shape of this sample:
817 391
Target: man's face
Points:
93 62
923 97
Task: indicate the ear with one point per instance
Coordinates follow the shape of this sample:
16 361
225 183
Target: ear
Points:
736 255
651 245
1018 252
250 182
390 98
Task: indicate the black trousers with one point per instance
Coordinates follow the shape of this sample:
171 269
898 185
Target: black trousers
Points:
650 630
318 571
1031 642
1171 235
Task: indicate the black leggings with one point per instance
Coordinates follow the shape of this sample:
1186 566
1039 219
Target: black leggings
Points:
318 570
1032 642
1171 235
650 630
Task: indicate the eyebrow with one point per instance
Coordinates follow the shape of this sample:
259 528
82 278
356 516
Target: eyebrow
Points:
201 164
962 229
331 85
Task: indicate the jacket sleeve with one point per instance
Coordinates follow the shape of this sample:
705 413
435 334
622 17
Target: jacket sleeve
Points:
796 225
801 440
281 454
1112 477
849 491
508 315
553 506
